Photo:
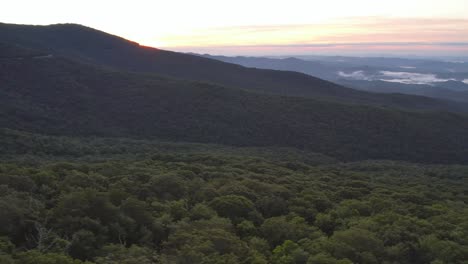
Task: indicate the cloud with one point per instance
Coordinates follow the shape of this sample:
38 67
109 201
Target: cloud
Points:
411 78
398 77
356 75
457 62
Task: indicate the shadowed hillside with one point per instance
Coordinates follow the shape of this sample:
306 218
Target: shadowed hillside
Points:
58 96
93 46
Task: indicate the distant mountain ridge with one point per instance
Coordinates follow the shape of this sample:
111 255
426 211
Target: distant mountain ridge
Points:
354 74
96 47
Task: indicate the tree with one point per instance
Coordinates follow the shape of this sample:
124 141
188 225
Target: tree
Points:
234 207
433 249
357 245
167 187
246 229
271 206
35 257
134 254
201 211
289 253
278 229
83 245
205 240
323 258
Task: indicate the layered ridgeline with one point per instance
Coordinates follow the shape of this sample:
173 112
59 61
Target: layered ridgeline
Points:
366 73
96 47
54 95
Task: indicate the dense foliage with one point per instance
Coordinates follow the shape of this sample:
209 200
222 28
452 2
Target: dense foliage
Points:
179 204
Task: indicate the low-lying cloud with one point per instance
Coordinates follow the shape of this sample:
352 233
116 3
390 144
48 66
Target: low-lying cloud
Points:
398 77
356 75
411 78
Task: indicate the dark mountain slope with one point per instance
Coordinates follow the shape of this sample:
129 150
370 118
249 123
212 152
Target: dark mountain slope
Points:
314 68
53 95
97 47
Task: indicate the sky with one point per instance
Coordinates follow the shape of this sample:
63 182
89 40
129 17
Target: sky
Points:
258 27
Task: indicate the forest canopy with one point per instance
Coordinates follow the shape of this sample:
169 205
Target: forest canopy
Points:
180 203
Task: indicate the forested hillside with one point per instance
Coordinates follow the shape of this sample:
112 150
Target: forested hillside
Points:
53 95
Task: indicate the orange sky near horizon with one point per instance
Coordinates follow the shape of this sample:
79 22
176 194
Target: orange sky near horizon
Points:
376 34
265 27
353 30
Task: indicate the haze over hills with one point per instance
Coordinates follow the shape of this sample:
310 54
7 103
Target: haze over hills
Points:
93 46
426 77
